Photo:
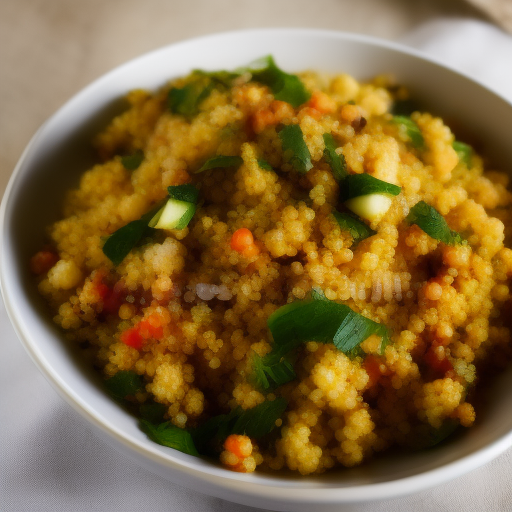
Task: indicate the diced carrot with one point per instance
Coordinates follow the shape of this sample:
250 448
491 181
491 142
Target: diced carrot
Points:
242 241
132 338
43 261
261 119
322 102
438 365
240 445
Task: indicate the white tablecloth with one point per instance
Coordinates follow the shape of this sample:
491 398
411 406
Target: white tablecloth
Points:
51 460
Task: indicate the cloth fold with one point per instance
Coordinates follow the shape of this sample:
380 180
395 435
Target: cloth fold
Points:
51 460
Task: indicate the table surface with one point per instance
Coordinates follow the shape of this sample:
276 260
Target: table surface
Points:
50 49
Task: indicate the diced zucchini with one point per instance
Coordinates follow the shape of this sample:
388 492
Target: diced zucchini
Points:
371 207
173 215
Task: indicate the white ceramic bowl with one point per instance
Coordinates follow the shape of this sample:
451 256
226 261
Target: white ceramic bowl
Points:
59 152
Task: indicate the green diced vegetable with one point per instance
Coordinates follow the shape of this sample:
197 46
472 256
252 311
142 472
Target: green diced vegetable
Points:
364 184
411 130
464 152
174 215
335 161
187 193
271 371
295 149
433 223
221 161
170 435
122 241
284 87
358 229
265 165
124 383
133 161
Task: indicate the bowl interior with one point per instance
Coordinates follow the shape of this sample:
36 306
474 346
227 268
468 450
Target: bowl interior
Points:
60 152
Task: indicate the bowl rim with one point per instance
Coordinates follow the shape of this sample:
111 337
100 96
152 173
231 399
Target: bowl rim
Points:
224 479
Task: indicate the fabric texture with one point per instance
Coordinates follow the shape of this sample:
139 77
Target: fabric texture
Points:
51 459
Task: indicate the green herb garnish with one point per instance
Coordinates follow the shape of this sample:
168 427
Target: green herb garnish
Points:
133 161
187 99
221 161
464 152
124 383
170 435
364 184
411 130
284 87
271 370
187 193
152 412
428 219
265 165
335 161
121 242
357 228
295 149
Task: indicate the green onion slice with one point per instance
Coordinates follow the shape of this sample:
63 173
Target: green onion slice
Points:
221 161
295 149
428 219
411 130
464 152
335 161
356 185
284 87
357 228
170 435
133 161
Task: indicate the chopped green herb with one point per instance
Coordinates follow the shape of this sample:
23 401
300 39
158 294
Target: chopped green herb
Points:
295 149
284 87
271 371
221 161
170 435
410 130
321 320
428 219
364 184
187 99
224 78
265 165
133 161
464 152
358 229
121 242
152 412
335 161
255 422
124 383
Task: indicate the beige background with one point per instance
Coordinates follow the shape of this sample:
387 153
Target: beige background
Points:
50 49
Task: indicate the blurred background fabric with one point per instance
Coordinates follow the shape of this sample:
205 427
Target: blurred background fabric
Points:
50 458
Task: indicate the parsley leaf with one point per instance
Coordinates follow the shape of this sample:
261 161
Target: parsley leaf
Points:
284 87
335 161
428 219
187 99
357 228
170 435
295 149
271 371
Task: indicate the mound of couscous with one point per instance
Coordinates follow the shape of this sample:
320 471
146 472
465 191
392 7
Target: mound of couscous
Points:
285 271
